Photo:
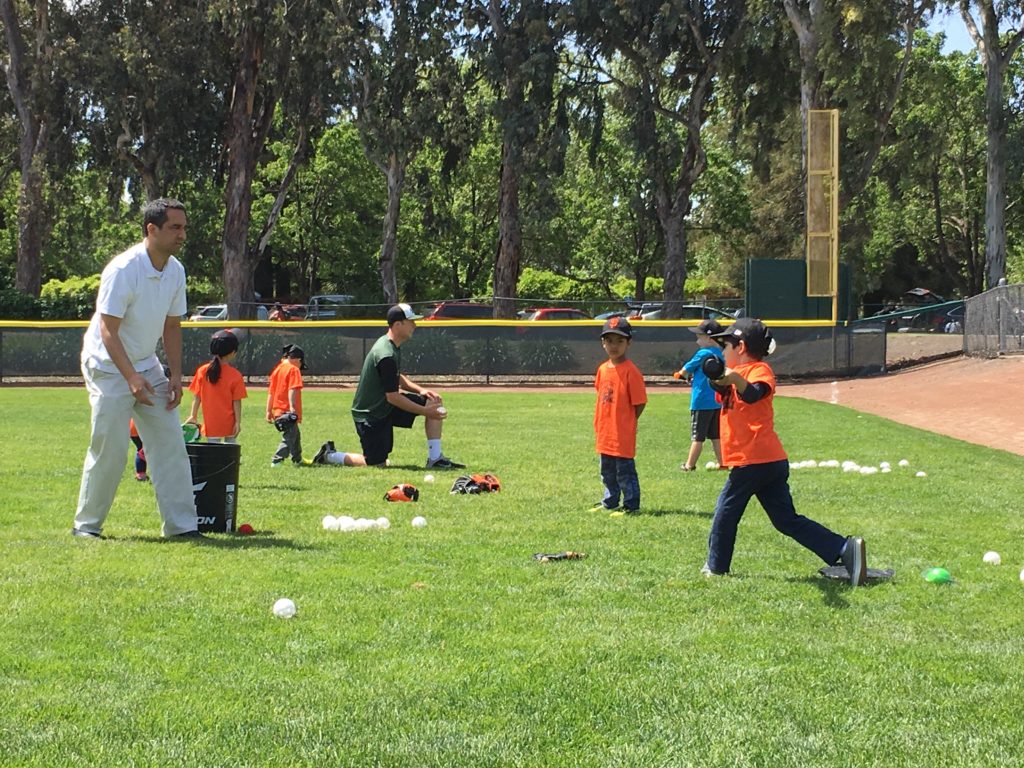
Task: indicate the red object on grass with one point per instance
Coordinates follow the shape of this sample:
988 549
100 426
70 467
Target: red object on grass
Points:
246 528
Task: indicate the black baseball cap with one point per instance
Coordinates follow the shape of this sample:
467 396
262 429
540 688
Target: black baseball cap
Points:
618 325
223 343
401 312
294 351
707 327
751 330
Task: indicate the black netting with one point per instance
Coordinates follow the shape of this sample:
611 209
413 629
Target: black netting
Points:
518 351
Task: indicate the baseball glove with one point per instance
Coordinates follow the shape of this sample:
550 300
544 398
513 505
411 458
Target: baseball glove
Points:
282 422
402 492
476 484
559 556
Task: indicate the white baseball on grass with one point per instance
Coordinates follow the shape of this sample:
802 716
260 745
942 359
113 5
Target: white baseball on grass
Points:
428 478
284 608
904 463
992 558
884 465
711 465
1022 575
419 522
921 474
345 524
329 522
383 523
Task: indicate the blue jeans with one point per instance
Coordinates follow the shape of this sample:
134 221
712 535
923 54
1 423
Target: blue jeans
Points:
770 484
619 478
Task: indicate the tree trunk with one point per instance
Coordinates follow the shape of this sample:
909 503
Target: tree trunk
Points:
31 218
25 81
673 224
248 309
243 150
510 235
995 181
395 174
806 29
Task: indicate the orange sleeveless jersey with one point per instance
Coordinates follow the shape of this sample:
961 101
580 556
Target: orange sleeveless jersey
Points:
748 429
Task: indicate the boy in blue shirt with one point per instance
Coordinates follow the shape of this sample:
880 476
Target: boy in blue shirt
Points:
704 406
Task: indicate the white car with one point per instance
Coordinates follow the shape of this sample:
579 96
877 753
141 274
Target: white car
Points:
211 313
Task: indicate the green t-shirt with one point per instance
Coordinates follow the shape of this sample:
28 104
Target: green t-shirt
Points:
370 402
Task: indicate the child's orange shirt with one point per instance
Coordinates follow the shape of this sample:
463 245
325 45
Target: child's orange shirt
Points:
217 400
748 429
283 378
620 388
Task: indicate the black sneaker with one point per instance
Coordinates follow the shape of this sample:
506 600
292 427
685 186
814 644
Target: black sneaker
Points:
321 455
855 559
79 533
443 462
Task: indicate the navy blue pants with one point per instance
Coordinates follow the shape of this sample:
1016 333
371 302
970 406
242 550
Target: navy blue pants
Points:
770 484
620 480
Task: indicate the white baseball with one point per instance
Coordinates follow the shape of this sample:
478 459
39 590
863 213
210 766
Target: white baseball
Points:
992 558
419 522
284 608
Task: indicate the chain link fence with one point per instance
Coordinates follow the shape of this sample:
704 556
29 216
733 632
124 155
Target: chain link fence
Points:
484 352
994 322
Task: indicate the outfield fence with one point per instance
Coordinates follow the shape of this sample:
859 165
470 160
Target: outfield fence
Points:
994 322
477 351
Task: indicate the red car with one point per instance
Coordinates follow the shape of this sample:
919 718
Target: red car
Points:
554 313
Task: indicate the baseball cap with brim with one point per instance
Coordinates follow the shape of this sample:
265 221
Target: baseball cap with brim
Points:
708 327
619 326
401 312
294 351
751 330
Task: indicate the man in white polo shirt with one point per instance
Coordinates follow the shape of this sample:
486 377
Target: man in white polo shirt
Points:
141 300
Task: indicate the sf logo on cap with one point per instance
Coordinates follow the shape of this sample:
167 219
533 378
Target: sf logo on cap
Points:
613 323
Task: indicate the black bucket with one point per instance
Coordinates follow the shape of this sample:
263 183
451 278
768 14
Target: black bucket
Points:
215 484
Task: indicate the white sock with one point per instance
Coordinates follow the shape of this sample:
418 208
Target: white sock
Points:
336 457
434 449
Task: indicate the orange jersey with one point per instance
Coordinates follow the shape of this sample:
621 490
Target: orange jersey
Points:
218 400
284 378
620 388
748 429
133 431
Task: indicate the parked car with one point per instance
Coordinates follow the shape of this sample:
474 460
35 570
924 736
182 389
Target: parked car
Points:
553 313
210 313
935 319
460 310
327 306
689 312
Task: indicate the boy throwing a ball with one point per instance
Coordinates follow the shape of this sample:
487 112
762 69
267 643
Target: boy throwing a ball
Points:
758 464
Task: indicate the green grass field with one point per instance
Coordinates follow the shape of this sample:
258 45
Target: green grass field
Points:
451 646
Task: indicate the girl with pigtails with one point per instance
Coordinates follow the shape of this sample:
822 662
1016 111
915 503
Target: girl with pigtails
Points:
219 390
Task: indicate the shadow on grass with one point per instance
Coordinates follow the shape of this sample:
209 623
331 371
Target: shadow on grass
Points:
271 487
258 540
688 512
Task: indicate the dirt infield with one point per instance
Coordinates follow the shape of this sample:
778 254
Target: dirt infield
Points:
972 399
